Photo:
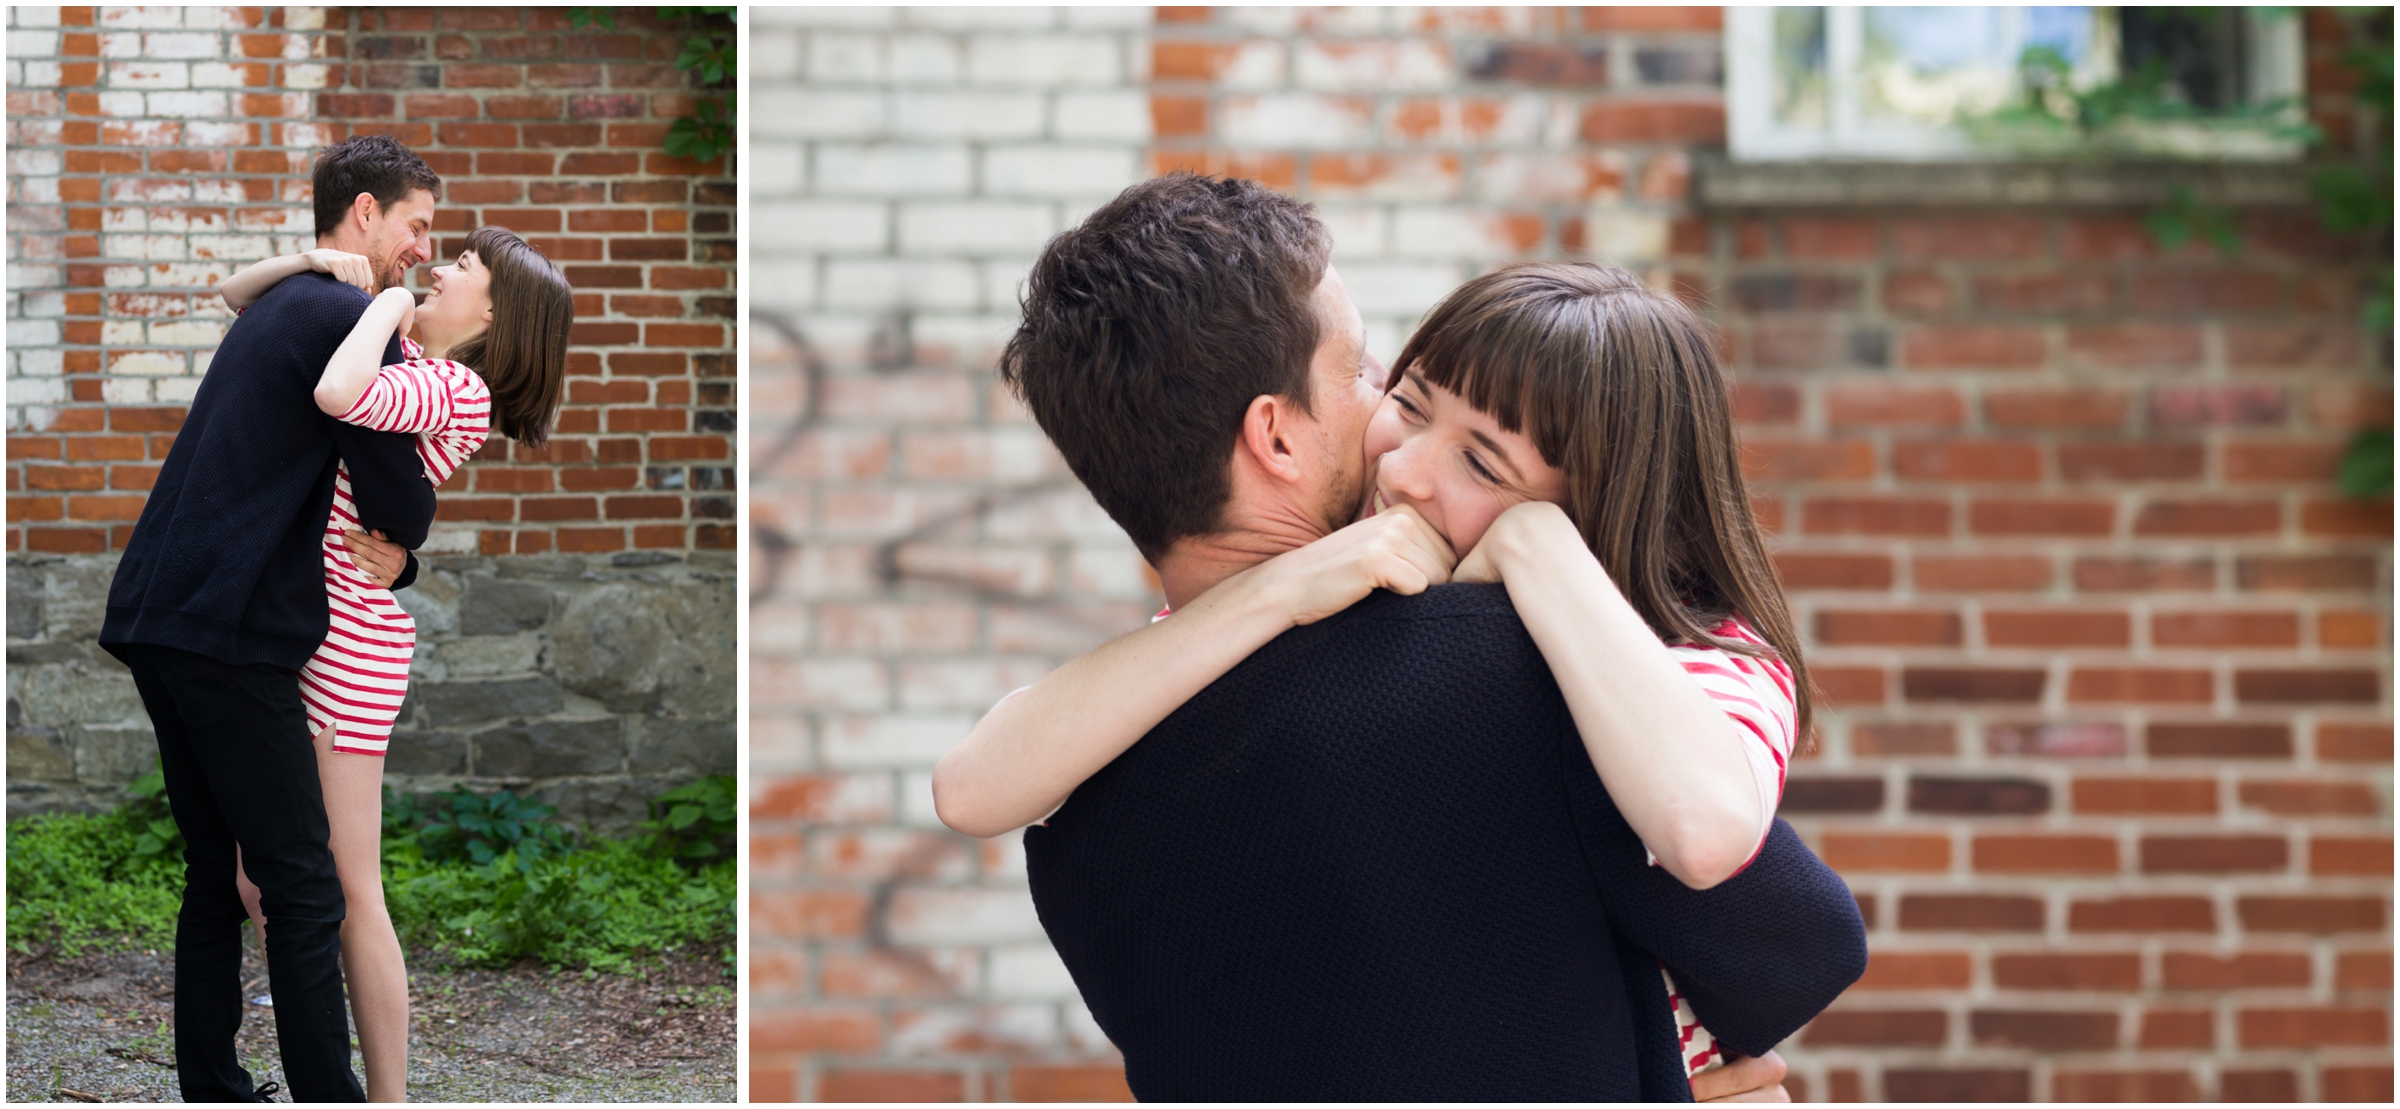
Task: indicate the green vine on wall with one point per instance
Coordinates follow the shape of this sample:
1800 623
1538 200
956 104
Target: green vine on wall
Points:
2053 115
708 53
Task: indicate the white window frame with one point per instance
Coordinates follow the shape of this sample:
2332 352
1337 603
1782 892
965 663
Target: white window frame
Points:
1754 135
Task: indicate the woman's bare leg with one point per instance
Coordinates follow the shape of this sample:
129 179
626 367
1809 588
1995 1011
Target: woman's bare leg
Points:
371 958
372 964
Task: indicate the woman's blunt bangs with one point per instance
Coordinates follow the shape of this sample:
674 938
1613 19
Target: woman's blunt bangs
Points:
522 356
1618 385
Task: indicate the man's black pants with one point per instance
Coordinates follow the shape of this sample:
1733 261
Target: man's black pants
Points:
234 745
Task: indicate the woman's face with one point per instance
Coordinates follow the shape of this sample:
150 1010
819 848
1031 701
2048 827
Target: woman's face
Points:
460 306
1432 451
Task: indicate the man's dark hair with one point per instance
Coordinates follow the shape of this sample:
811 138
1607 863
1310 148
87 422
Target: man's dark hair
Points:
1149 329
377 165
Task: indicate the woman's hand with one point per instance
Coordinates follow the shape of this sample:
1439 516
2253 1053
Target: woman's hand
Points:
348 268
1395 549
377 557
1743 1079
405 301
1517 531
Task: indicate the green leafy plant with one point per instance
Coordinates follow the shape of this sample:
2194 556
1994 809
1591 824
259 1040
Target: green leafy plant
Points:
466 825
708 53
80 882
601 906
693 823
149 812
2367 464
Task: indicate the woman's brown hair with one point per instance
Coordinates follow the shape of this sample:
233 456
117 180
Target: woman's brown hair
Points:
1618 386
523 355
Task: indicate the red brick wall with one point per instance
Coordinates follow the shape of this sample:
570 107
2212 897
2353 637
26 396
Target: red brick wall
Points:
153 150
2108 743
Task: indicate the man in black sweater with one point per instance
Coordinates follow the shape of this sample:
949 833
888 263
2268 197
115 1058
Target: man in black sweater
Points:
1373 861
220 599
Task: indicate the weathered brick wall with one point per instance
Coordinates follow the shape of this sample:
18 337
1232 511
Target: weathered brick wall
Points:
2108 743
917 548
154 150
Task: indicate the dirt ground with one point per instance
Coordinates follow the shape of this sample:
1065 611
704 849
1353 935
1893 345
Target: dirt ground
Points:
96 1028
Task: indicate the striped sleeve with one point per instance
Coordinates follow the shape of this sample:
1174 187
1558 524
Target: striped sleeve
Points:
1757 694
405 396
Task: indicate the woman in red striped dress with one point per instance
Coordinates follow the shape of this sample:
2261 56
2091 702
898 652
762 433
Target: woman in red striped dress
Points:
1568 429
489 348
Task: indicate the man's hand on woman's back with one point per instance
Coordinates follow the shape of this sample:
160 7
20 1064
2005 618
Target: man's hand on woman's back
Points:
1743 1079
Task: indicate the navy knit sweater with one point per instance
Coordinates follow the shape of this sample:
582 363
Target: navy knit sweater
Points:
1373 862
226 560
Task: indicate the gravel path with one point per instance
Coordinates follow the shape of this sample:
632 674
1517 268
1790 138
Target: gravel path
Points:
96 1028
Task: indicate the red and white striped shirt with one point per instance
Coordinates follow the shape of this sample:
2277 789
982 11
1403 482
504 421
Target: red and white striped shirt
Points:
359 675
1758 694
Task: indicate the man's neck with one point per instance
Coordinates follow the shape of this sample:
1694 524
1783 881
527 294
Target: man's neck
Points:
347 240
1195 565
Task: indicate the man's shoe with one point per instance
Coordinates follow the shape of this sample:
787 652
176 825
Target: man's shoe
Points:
267 1091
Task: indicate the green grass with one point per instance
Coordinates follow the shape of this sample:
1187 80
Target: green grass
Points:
80 883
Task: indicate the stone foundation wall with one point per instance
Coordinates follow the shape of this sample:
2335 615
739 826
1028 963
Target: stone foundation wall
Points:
594 683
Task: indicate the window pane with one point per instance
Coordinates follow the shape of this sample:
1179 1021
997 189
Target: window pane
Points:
1800 80
1925 65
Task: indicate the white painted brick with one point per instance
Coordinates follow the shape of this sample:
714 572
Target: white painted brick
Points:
148 248
1256 64
818 113
996 18
1294 119
1386 335
222 75
150 75
783 285
219 19
1358 230
23 276
38 75
967 115
852 17
883 283
178 105
1399 287
141 17
1408 64
203 133
775 170
976 227
41 305
821 225
36 190
1619 237
975 338
36 390
837 56
33 333
181 390
303 19
1004 283
121 333
1111 116
1107 574
120 44
916 800
302 76
32 17
34 163
41 363
1029 970
32 44
1111 17
882 170
186 333
1275 22
125 390
926 59
1447 232
148 363
1079 1030
1048 61
1060 171
186 45
963 916
774 57
874 741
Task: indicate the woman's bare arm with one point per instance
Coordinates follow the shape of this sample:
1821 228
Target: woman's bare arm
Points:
356 361
252 281
1032 749
1672 760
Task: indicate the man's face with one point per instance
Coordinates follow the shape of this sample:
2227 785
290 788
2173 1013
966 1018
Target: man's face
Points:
1346 384
399 237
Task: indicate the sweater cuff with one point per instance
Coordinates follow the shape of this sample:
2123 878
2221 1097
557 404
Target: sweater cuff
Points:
408 574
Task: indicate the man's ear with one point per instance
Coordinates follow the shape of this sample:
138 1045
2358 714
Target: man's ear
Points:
364 209
1270 428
